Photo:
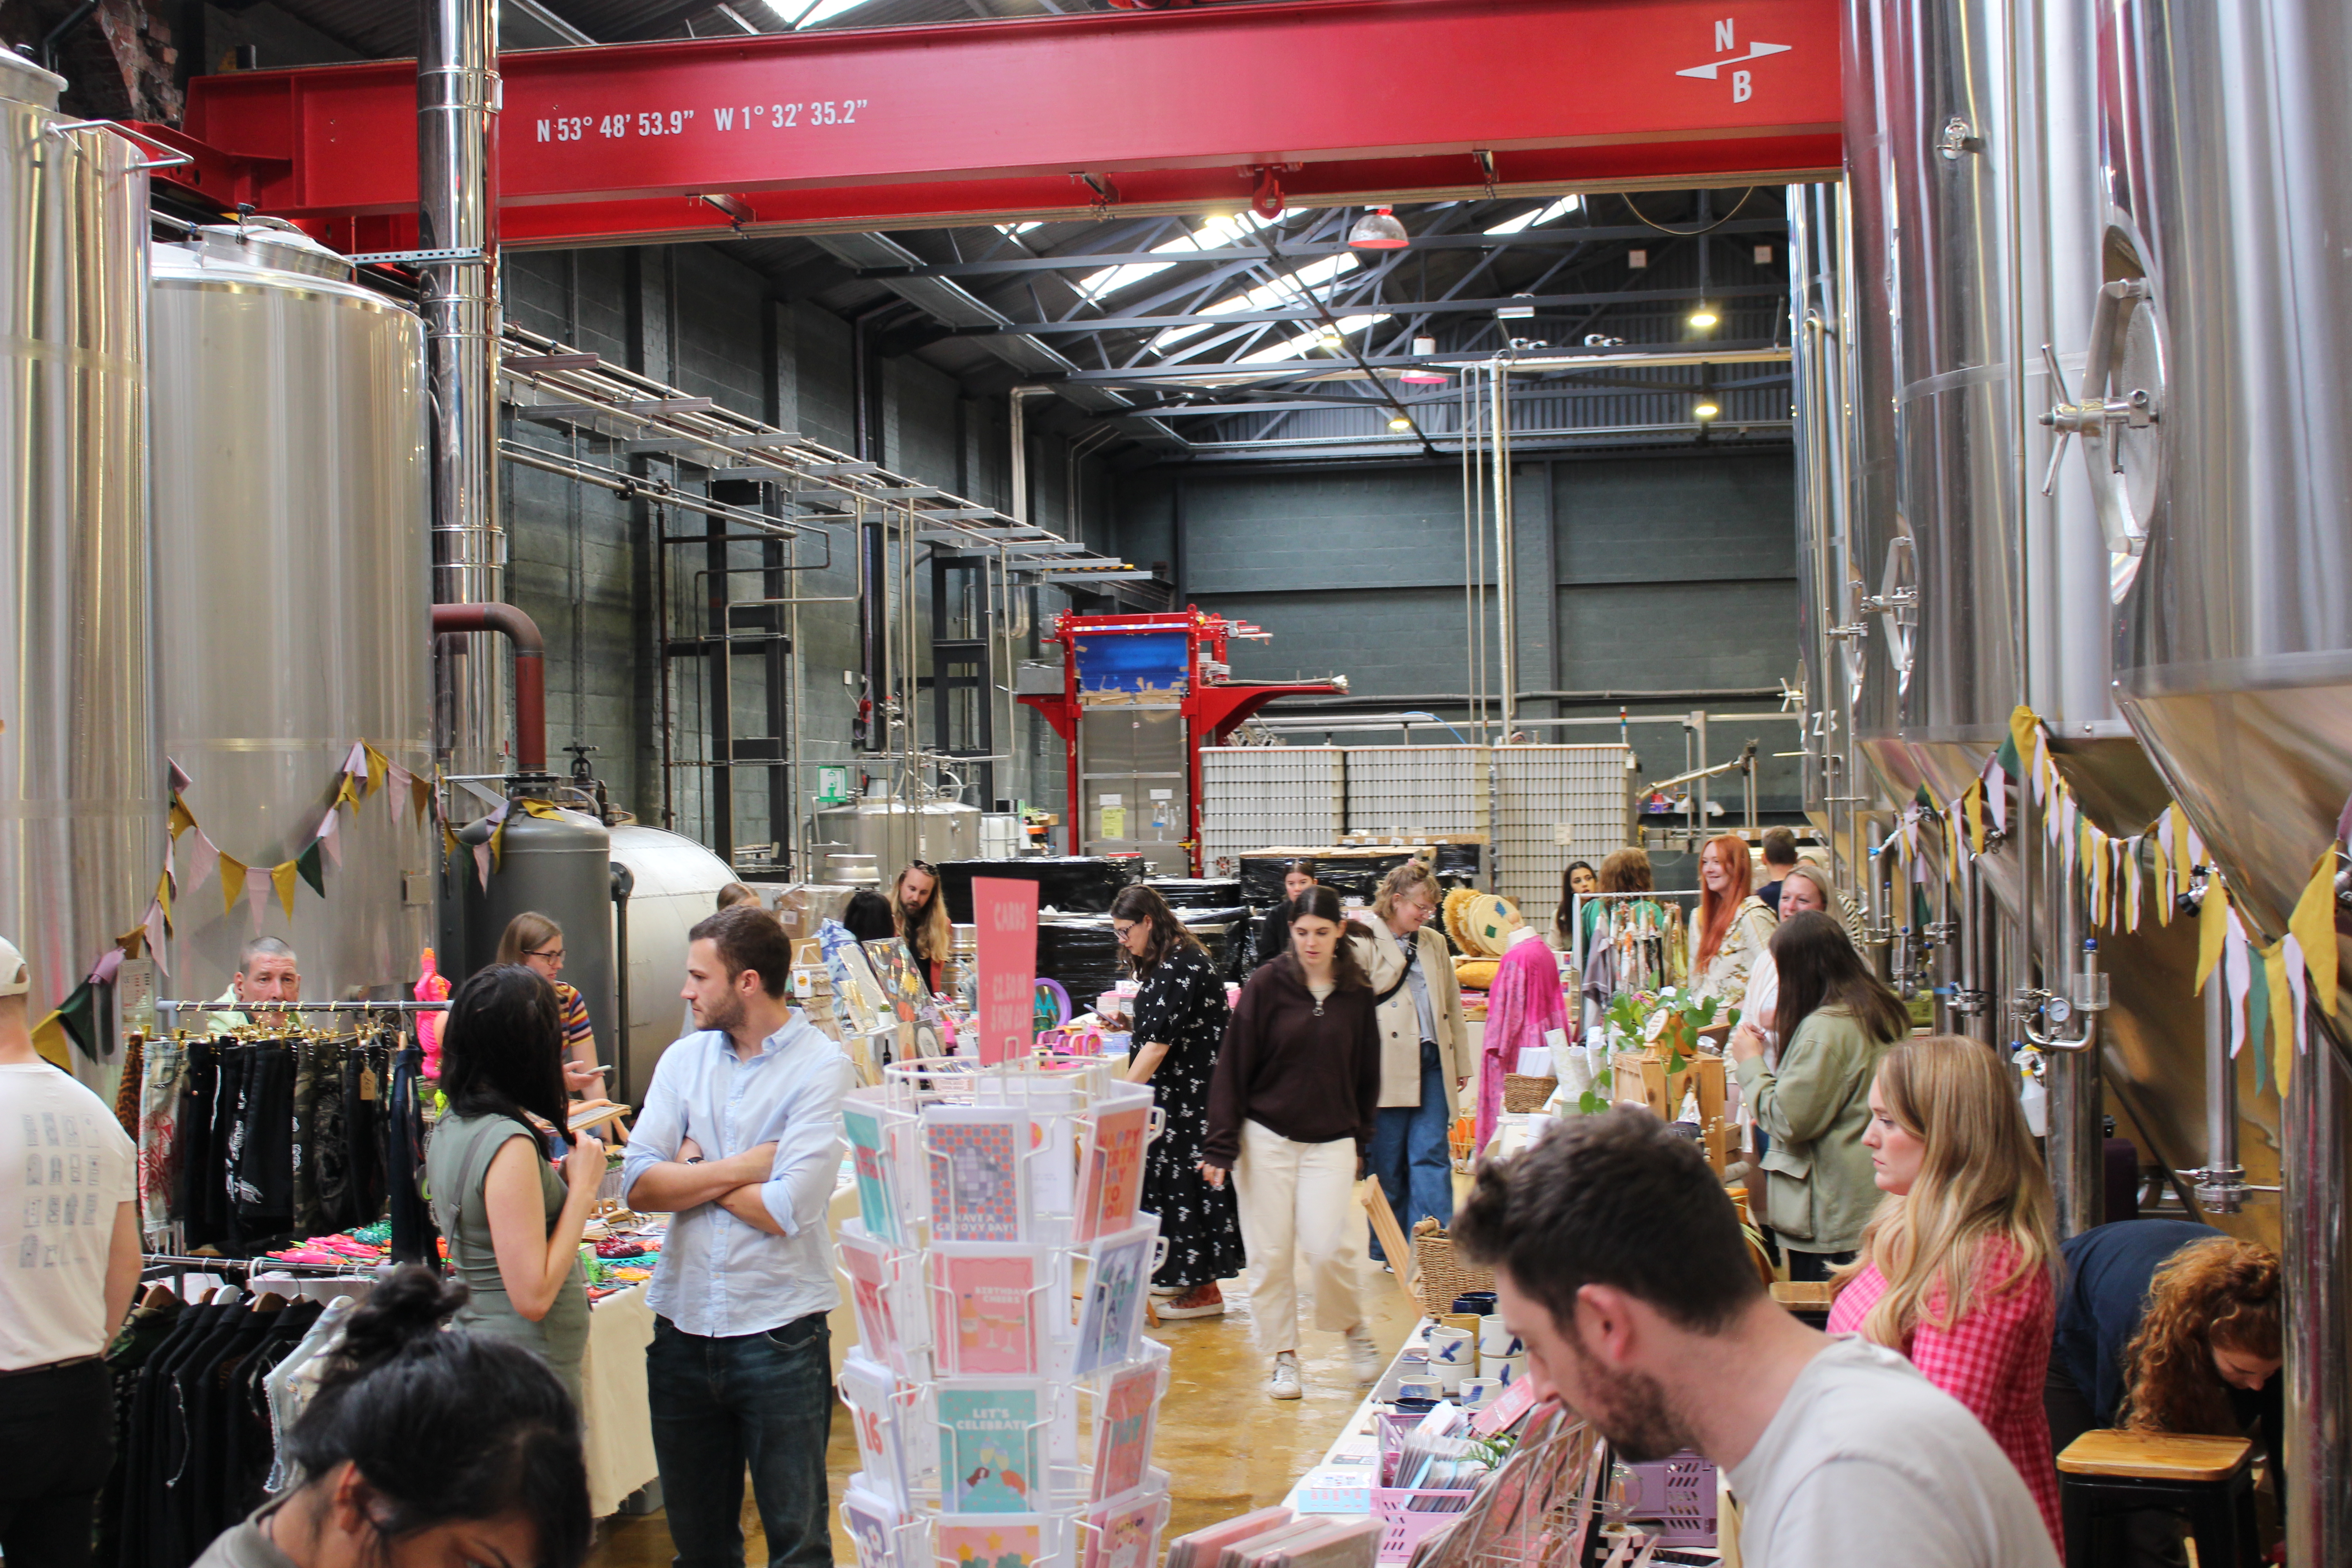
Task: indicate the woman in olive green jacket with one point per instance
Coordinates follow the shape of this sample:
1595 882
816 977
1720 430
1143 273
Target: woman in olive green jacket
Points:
1838 1020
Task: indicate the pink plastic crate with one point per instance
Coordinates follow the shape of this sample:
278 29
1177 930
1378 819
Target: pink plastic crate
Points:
1676 1494
1408 1516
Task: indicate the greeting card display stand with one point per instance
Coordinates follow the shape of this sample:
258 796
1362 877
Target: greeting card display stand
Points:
1004 1394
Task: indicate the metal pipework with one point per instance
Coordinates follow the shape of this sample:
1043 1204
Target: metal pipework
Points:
530 670
2318 1295
456 214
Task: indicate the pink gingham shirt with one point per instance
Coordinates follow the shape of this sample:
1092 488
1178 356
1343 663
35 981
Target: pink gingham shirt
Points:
1993 1360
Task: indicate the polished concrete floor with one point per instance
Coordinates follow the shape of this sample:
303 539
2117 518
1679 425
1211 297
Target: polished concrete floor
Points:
1227 1448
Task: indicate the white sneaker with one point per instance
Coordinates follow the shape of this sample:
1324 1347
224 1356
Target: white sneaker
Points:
1364 1354
1284 1383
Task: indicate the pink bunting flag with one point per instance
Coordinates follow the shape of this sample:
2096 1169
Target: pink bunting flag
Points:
330 836
257 890
153 925
204 858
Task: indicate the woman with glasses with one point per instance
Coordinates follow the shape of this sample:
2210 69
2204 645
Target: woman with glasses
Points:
1180 1021
1424 1048
921 911
536 942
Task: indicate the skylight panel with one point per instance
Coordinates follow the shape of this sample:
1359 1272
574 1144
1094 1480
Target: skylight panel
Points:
1527 220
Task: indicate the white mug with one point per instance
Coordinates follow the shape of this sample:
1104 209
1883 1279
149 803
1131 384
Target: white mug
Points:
1419 1387
1507 1371
1494 1340
1477 1390
1451 1347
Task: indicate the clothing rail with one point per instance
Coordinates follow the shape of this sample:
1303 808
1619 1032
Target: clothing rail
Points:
236 1006
185 1263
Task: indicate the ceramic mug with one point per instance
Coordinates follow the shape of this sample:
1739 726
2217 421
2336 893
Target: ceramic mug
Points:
1453 1356
1420 1386
1494 1340
1506 1371
1477 1390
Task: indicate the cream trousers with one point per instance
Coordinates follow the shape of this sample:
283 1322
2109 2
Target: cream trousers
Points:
1298 1207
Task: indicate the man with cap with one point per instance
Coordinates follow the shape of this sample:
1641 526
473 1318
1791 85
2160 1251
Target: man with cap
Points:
68 1264
265 972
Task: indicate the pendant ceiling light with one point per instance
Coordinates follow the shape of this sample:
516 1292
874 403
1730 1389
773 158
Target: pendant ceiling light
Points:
1703 316
1707 408
1422 374
1378 230
1400 423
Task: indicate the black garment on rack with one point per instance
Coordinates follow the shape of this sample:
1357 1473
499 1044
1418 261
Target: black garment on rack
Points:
141 1441
261 1148
414 1239
365 1082
323 1149
202 1222
149 1329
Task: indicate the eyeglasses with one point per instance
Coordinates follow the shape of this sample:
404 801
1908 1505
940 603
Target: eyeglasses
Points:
1124 931
924 866
552 954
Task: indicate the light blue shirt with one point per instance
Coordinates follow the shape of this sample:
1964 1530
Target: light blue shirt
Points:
1409 945
718 1277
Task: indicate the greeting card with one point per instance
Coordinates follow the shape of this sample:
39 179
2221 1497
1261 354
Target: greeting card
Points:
990 1451
1112 1323
978 1175
983 1309
1123 1424
1112 1183
878 1174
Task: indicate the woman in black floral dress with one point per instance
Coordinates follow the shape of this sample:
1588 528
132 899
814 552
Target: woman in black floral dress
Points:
1180 1021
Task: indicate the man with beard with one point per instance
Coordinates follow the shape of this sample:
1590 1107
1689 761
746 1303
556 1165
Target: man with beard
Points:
1619 1262
740 1141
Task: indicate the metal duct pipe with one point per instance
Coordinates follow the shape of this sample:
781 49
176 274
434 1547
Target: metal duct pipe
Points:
2220 1186
530 669
456 218
1505 619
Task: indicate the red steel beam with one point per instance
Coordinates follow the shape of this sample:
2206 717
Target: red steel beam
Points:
1167 111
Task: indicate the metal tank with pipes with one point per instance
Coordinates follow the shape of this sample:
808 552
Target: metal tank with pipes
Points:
2215 414
551 861
670 883
82 769
291 592
1953 587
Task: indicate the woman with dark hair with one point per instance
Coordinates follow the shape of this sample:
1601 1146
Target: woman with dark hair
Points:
1292 1110
1274 930
867 916
1578 879
1835 1019
922 914
513 1227
422 1446
1180 1020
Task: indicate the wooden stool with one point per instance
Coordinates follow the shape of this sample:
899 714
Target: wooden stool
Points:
2208 1479
1810 1300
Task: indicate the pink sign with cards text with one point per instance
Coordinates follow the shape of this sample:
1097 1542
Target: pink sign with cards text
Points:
1005 912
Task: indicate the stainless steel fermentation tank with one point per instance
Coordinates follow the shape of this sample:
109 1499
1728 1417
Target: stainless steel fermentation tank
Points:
81 771
673 882
2218 415
1948 587
292 597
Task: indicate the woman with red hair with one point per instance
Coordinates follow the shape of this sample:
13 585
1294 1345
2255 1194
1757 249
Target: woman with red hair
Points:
1733 925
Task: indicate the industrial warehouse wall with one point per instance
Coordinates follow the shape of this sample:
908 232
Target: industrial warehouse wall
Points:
584 561
1672 572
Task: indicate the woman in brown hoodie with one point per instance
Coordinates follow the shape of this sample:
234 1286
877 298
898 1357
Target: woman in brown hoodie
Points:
1291 1112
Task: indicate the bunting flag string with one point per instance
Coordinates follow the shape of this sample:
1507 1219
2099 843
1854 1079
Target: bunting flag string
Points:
2118 874
190 858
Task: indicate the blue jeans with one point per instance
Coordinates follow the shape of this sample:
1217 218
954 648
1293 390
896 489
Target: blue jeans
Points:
763 1399
1411 1156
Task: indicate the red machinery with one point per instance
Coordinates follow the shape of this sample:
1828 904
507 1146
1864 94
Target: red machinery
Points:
1141 696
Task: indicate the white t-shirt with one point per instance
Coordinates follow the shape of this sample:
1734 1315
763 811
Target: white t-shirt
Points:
65 1169
1868 1462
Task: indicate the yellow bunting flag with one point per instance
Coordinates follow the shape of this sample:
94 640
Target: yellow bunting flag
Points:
2285 1023
232 882
50 1039
1973 803
2213 928
420 793
378 767
2313 925
180 819
283 877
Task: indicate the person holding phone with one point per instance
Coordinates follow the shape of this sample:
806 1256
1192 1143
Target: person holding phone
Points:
513 1225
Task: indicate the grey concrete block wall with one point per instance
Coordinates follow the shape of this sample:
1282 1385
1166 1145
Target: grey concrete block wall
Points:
1637 573
583 563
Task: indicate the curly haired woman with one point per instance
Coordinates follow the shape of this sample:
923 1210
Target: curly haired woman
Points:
2165 1326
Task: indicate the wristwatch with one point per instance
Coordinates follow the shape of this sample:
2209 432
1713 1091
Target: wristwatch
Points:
696 1161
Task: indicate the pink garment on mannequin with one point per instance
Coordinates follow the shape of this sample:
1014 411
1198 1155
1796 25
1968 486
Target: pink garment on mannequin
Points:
1523 1003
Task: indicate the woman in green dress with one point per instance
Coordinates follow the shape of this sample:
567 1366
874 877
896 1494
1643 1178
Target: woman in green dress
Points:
513 1226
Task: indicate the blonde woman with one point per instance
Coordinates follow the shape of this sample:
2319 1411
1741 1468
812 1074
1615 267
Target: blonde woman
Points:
1424 1052
536 942
1955 1268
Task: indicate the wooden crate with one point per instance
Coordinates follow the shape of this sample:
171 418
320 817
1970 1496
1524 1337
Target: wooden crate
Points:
1641 1079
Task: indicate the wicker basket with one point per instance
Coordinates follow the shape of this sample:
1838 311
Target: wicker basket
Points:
1524 1092
1444 1273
